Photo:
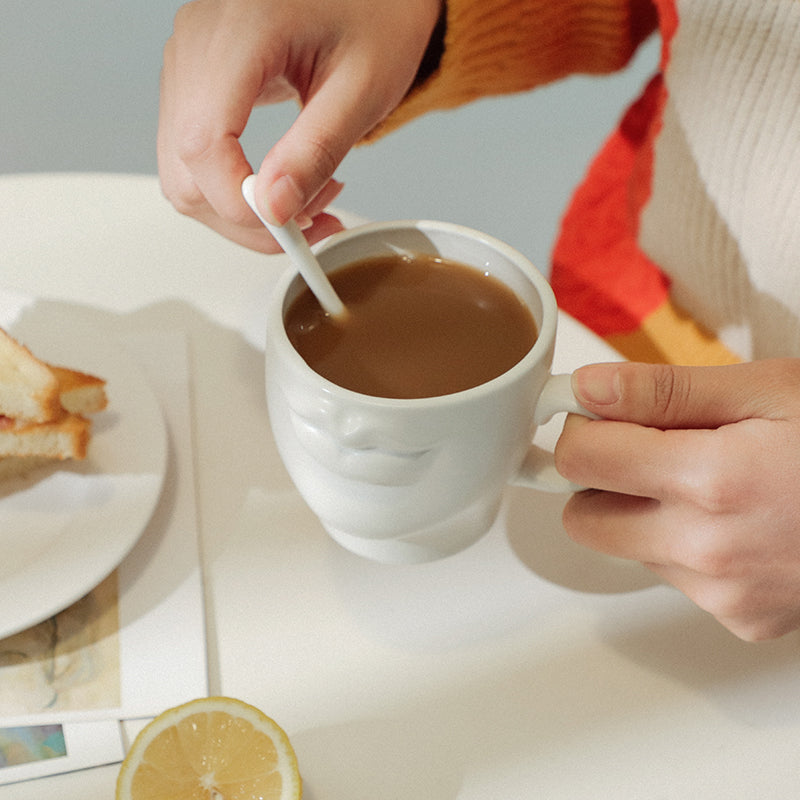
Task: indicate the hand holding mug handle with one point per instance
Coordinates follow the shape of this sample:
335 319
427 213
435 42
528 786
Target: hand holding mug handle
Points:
538 470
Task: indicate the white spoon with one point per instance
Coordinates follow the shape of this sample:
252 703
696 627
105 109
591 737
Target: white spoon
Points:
294 244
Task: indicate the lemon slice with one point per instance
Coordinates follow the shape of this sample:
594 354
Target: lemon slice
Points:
213 748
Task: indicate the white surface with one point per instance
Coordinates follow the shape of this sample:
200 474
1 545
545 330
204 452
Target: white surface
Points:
524 667
53 517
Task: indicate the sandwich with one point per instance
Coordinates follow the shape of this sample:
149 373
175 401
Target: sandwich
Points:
44 410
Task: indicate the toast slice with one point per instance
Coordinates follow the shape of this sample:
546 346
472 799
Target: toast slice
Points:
28 388
66 434
34 430
79 392
65 437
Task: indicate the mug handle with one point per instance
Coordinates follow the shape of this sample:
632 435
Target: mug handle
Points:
538 470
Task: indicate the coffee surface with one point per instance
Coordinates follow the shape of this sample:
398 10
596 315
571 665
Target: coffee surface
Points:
416 326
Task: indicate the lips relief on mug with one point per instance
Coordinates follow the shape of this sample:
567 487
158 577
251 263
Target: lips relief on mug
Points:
411 469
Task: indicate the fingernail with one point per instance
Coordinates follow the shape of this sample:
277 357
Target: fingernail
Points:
597 384
304 222
284 200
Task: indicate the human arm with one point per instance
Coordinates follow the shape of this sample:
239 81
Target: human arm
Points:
350 63
696 472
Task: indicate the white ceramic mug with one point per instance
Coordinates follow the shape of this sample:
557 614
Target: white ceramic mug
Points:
405 481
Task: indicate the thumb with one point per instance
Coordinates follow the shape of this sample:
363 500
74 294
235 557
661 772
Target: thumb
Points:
664 396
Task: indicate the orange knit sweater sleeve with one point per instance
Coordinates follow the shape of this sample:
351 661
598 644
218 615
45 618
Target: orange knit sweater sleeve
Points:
494 47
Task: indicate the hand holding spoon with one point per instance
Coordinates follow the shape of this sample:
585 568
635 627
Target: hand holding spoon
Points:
294 244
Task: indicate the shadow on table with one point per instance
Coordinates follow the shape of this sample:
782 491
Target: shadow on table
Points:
544 722
535 533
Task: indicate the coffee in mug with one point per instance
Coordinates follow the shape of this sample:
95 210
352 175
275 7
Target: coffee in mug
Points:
417 325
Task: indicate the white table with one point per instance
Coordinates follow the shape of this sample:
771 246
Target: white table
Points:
524 667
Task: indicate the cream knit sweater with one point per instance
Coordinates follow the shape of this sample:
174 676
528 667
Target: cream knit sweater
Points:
724 216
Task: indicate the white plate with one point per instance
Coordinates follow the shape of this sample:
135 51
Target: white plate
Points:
63 530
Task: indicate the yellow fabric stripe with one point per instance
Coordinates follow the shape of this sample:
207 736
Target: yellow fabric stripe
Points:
670 336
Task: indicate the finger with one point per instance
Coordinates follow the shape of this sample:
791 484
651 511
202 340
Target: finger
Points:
328 194
218 174
324 225
688 397
305 219
752 610
255 238
633 459
207 93
612 524
657 534
258 238
304 160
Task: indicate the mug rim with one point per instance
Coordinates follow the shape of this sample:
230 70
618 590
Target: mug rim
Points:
279 339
